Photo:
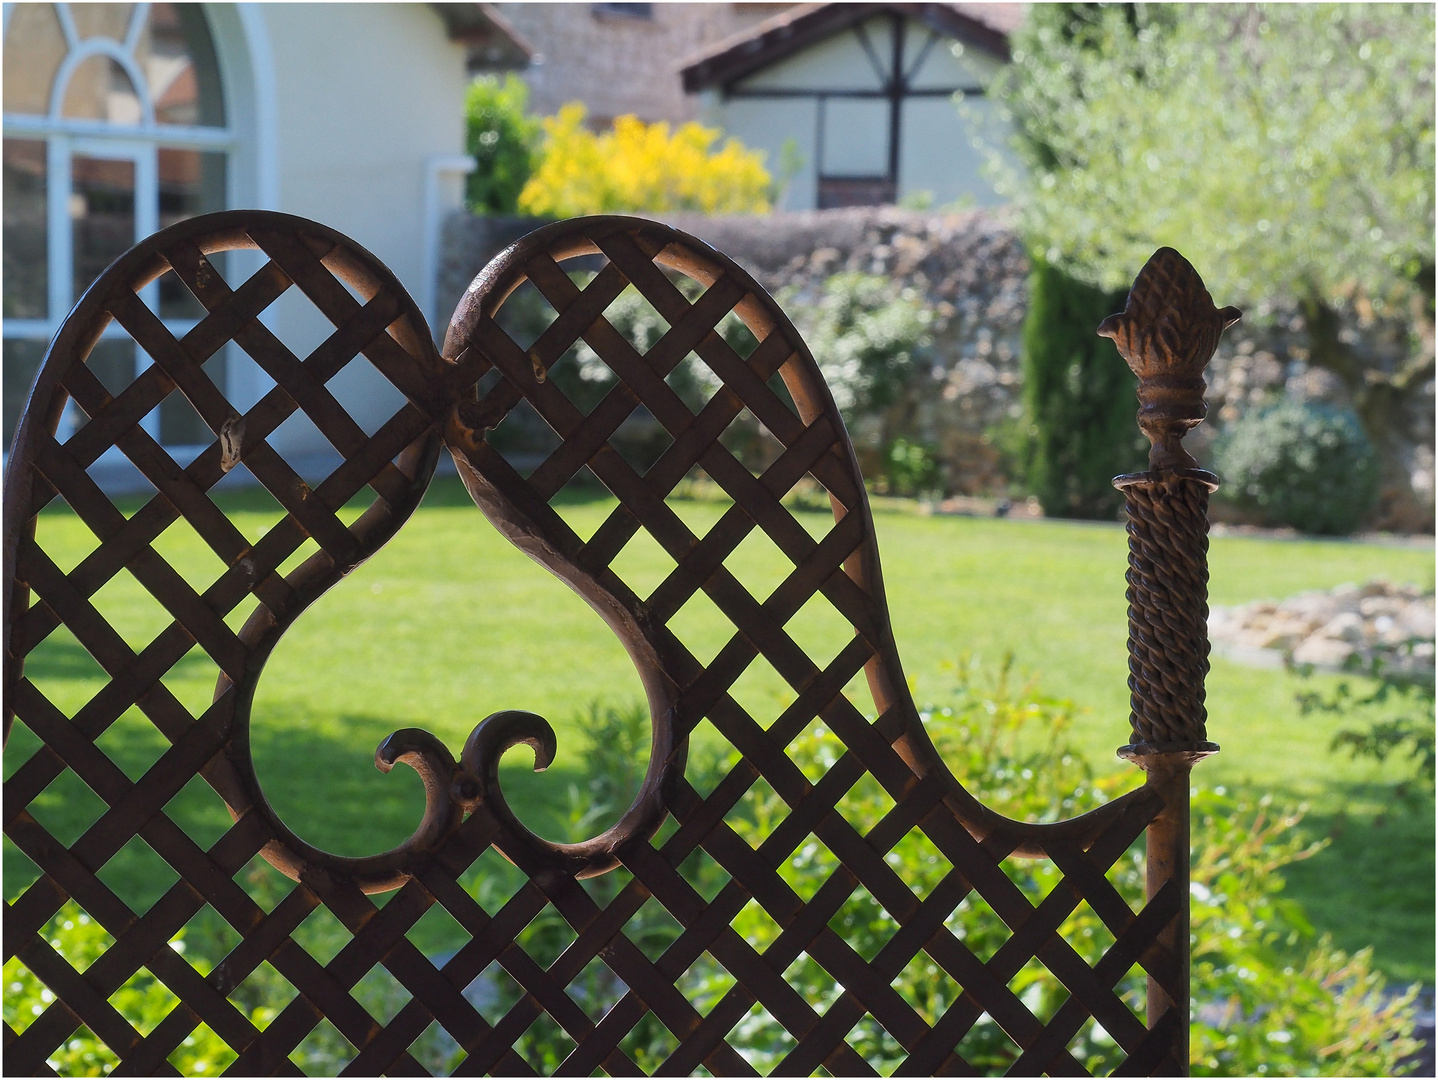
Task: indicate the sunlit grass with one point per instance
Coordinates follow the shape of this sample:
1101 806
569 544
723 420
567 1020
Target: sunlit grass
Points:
449 623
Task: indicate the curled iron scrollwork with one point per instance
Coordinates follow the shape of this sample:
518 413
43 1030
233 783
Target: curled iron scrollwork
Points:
443 409
453 399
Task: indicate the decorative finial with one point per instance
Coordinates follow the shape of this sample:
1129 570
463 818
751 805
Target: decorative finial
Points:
1167 333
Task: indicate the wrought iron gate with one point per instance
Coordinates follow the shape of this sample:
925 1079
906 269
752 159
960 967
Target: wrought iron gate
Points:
450 401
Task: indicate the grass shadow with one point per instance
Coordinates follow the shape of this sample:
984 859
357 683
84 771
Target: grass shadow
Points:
1379 861
322 785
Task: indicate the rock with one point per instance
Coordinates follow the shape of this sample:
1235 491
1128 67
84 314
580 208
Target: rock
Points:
1323 652
1417 619
1392 625
1371 607
1345 626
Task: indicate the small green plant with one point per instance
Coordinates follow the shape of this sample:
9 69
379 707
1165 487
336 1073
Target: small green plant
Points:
1394 714
791 164
1306 465
502 139
1262 1005
1267 999
910 468
143 1001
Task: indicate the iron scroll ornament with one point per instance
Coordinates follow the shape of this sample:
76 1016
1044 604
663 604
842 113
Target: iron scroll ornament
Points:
450 400
399 461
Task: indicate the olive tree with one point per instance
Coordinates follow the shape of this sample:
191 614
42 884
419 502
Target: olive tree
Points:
1286 149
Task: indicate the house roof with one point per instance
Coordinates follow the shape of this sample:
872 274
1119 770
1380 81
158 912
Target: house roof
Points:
985 25
491 43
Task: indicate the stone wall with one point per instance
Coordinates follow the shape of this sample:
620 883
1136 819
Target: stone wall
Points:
972 269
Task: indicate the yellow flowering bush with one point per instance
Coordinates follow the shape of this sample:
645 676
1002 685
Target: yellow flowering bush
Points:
644 167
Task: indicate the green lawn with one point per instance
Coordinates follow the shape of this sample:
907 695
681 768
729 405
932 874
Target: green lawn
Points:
449 623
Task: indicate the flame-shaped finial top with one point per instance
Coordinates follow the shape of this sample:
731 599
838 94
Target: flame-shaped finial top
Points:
1166 333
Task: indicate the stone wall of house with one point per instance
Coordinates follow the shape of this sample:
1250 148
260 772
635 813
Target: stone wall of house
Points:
617 62
971 267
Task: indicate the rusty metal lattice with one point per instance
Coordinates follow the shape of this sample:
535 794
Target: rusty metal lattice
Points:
452 400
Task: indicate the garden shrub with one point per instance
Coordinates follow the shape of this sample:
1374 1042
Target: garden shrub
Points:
870 336
1078 399
502 140
910 468
586 379
1306 465
642 167
1262 1005
143 1000
1268 999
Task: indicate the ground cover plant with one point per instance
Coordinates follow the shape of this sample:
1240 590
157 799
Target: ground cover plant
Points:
449 623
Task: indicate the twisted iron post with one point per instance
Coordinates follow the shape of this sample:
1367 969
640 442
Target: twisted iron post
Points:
1167 333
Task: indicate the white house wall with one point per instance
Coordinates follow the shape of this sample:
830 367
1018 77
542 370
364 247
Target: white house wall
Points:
836 63
952 63
764 125
856 137
365 96
935 155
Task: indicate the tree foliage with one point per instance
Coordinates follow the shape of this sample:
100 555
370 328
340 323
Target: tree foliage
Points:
502 139
1287 150
643 167
1078 399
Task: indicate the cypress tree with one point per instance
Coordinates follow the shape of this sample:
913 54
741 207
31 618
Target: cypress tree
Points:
1079 399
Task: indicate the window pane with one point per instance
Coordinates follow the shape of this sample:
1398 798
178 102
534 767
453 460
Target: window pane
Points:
191 183
102 215
102 20
113 362
180 425
178 58
22 360
26 255
100 90
34 47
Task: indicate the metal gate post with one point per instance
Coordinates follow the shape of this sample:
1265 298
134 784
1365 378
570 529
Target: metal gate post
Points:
1167 332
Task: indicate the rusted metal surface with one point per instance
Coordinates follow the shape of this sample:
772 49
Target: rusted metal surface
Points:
1167 333
452 400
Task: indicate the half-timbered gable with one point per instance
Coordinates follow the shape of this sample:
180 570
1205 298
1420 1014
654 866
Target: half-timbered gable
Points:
869 96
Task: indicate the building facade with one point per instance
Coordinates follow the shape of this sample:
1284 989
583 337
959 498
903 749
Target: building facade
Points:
878 103
120 119
622 59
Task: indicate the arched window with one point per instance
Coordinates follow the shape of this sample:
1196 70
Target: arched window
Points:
115 125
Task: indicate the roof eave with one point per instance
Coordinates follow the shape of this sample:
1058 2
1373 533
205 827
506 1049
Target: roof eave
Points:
491 43
767 44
